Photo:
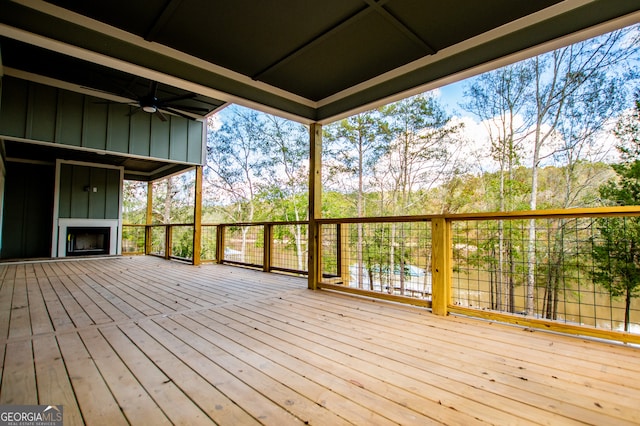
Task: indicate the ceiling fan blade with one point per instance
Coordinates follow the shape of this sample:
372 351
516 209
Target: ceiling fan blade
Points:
160 115
153 88
177 112
187 108
165 101
133 111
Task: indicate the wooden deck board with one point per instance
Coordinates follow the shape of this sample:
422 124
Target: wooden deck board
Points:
97 403
40 320
18 378
536 362
141 340
416 362
54 387
203 393
382 372
177 406
506 370
131 396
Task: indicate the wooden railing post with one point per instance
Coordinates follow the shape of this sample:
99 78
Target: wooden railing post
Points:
219 243
268 247
148 235
168 241
441 264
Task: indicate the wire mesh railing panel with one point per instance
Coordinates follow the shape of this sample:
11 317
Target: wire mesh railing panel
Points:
572 270
289 247
158 240
244 244
133 239
331 254
182 241
209 243
386 257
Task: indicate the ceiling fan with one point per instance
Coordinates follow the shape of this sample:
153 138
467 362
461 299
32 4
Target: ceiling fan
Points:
151 104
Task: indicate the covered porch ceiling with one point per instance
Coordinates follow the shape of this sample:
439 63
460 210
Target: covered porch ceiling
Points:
311 61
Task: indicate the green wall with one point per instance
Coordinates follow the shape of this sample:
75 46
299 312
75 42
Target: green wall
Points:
28 210
77 197
42 113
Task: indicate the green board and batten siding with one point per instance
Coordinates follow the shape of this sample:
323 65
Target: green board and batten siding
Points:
45 114
77 198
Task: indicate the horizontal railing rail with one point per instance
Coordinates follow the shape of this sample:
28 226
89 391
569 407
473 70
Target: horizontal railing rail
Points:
544 268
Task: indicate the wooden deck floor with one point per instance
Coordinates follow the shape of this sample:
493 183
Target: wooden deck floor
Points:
145 341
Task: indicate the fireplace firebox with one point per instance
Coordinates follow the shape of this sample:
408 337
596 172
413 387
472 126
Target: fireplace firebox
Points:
87 241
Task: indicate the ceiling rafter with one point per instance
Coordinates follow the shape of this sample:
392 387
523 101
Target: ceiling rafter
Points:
314 42
378 6
160 22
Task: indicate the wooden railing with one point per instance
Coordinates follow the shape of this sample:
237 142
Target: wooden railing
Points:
491 265
241 244
170 241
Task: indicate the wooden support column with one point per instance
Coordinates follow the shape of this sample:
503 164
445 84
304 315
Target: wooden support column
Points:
441 263
149 219
197 218
315 205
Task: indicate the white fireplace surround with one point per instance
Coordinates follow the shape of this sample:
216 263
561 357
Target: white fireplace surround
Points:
63 224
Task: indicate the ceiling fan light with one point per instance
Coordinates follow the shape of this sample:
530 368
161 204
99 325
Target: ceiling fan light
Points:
149 108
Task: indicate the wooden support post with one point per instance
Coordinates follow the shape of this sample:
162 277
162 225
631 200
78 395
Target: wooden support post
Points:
197 218
268 247
149 219
441 263
315 205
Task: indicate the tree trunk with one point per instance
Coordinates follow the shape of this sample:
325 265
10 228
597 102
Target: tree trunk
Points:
627 309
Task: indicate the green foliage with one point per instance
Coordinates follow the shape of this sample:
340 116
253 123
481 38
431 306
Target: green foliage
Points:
616 252
616 247
134 202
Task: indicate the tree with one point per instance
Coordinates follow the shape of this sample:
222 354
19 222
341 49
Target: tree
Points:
421 152
234 167
354 146
499 99
257 169
173 203
134 202
285 172
616 248
569 85
562 99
